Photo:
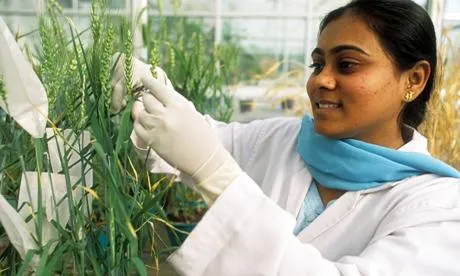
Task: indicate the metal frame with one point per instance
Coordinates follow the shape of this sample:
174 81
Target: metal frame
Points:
308 16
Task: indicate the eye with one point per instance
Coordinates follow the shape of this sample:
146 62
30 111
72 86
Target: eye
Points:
317 67
345 66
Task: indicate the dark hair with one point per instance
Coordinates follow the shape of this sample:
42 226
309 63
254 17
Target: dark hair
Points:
406 33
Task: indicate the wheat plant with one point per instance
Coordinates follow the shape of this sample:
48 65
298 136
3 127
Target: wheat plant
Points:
110 229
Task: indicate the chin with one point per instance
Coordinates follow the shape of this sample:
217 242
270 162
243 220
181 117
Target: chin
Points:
329 130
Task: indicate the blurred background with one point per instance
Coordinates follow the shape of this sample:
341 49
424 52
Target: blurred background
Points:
274 38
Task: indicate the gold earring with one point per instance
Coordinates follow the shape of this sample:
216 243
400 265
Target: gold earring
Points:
408 96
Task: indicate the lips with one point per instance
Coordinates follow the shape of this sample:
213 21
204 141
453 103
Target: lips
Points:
322 104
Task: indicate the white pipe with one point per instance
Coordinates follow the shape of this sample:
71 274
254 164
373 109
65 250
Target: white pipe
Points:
218 23
284 31
436 13
308 34
75 9
454 16
139 20
278 47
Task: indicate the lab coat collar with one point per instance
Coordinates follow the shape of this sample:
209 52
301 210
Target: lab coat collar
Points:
418 143
348 201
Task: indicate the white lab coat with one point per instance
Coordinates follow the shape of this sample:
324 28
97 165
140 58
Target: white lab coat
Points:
409 227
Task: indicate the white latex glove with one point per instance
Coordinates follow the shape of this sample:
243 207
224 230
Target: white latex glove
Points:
140 70
154 163
173 128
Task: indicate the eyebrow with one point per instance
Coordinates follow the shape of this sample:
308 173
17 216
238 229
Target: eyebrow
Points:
338 49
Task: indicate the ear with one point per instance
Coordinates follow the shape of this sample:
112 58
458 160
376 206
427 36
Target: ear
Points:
417 77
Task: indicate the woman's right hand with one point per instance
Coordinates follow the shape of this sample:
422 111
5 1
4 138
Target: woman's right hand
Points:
153 162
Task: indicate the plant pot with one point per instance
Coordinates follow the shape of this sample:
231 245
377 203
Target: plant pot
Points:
177 237
246 105
287 104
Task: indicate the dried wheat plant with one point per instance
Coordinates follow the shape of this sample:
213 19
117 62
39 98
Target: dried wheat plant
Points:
289 86
442 122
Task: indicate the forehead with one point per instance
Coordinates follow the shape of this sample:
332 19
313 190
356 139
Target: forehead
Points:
350 29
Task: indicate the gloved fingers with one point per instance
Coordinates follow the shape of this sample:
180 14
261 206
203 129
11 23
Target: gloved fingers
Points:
163 77
138 106
141 132
158 90
118 98
139 144
146 135
118 74
147 120
168 83
152 104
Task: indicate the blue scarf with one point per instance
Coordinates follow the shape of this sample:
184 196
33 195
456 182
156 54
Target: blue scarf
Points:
354 165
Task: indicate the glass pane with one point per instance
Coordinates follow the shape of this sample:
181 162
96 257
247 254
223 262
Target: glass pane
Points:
181 5
21 24
422 3
117 4
454 32
256 6
114 4
261 49
18 5
286 6
84 4
452 6
65 3
324 6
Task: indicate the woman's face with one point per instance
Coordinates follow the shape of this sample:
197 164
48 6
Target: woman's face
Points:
355 89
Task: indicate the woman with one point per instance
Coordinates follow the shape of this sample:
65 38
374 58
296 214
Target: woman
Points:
352 191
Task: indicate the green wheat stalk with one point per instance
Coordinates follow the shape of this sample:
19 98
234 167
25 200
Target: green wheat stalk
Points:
96 24
172 57
154 58
105 66
47 68
128 72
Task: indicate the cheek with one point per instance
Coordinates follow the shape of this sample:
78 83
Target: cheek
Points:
360 90
368 89
371 96
361 98
308 86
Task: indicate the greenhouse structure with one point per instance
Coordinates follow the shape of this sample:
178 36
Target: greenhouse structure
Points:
229 137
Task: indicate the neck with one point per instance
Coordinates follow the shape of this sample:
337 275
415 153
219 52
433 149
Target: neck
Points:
389 137
328 194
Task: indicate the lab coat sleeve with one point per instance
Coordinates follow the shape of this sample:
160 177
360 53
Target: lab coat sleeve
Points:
246 233
241 139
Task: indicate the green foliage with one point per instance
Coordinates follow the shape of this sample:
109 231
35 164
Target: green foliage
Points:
76 76
200 71
128 50
110 235
3 92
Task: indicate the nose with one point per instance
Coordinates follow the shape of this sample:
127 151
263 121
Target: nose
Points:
323 80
